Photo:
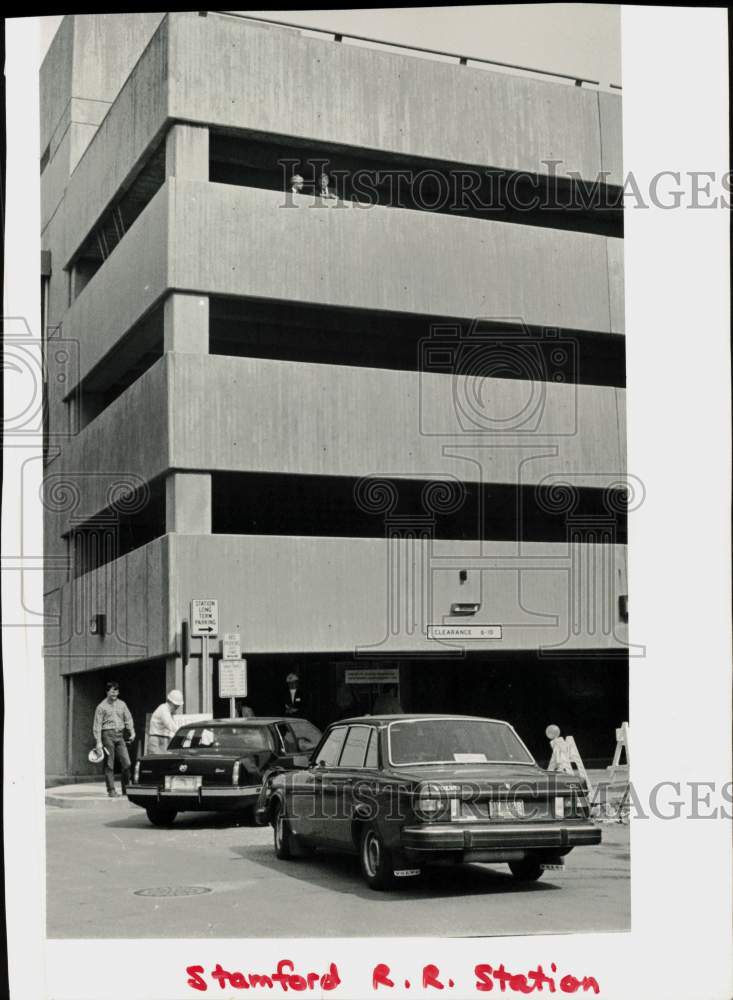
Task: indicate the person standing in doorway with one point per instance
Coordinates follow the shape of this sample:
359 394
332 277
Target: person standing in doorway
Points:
162 724
388 701
294 697
112 723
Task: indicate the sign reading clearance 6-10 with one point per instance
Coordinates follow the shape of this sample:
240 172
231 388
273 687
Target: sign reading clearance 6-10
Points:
204 617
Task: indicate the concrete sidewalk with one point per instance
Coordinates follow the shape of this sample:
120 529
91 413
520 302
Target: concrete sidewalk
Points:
83 796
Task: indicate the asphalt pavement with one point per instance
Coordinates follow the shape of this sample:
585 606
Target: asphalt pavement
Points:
110 874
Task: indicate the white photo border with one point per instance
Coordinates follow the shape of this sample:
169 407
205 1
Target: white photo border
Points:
675 78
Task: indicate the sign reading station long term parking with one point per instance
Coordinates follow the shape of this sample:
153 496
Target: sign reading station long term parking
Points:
204 617
232 678
464 632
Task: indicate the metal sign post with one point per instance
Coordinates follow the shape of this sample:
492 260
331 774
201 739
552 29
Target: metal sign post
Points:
206 699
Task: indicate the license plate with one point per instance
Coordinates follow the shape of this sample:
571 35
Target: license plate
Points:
182 783
507 810
473 811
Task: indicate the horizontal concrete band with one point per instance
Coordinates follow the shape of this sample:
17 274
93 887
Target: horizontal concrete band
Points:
216 413
290 594
225 240
278 81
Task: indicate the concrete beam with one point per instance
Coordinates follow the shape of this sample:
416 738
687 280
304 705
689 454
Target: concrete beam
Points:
301 594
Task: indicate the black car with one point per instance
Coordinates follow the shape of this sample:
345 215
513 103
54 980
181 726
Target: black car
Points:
218 765
403 791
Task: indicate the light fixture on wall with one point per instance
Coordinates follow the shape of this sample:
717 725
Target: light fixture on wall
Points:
185 642
465 608
98 625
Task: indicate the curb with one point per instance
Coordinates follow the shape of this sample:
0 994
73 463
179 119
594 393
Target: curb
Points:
85 801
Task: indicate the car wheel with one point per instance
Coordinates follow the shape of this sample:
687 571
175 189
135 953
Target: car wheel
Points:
283 838
161 817
376 859
527 870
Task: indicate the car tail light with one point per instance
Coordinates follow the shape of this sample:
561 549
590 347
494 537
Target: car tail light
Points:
136 773
576 806
560 807
435 799
235 773
429 803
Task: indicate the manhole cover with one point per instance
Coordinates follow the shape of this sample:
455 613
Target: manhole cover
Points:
173 890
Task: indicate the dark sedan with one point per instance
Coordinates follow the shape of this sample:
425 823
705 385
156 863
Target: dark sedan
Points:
405 791
218 765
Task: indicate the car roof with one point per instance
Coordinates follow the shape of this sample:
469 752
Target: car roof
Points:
252 721
416 717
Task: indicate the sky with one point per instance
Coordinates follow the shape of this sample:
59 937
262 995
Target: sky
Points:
578 39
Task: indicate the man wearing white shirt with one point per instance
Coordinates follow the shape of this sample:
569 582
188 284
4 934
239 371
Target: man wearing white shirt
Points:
162 723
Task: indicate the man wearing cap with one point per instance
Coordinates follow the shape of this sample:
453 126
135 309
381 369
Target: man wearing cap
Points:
111 719
294 698
162 724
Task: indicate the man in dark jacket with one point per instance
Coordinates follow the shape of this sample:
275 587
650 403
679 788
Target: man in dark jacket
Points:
294 698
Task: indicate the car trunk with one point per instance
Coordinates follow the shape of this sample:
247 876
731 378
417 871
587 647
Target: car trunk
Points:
214 768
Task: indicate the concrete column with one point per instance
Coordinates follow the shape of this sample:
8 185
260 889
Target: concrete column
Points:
187 152
174 675
186 323
188 503
192 685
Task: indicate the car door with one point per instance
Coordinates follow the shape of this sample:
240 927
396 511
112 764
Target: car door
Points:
339 784
306 806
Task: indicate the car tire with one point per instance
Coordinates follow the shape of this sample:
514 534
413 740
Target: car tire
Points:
282 834
161 817
527 870
376 859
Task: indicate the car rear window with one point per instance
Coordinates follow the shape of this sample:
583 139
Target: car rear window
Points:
305 730
455 741
237 738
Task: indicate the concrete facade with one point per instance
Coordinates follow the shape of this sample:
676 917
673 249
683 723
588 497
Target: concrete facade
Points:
149 419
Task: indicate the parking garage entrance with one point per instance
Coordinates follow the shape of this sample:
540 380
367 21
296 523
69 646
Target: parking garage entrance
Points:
142 688
585 695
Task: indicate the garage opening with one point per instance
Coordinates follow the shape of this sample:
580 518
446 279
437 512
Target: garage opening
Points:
279 504
142 688
586 695
372 177
329 335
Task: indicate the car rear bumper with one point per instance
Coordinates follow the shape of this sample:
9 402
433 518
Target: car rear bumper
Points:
499 836
201 799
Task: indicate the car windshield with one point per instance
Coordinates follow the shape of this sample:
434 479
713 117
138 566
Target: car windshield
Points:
455 741
236 738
